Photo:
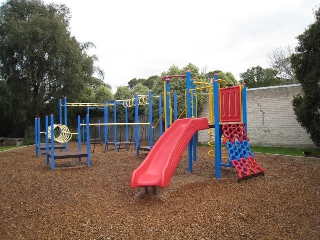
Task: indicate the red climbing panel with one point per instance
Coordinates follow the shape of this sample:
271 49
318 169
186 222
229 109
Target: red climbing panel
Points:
230 104
233 132
247 168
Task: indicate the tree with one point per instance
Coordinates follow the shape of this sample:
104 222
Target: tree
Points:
227 76
132 83
260 77
145 82
123 93
140 89
40 62
306 63
103 94
280 60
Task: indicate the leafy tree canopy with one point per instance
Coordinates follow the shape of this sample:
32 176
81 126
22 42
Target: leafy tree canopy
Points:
260 77
306 63
40 62
103 94
227 76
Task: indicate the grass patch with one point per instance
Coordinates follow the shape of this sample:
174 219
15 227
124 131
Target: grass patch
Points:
3 148
279 150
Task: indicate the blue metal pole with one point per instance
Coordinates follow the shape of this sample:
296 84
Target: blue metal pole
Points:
188 79
244 107
83 132
167 107
217 125
52 142
47 141
88 141
175 106
65 119
99 131
115 126
150 120
60 111
160 115
79 133
136 120
106 128
106 120
39 136
65 112
189 114
36 134
126 119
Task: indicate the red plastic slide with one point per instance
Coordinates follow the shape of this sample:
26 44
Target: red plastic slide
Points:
161 162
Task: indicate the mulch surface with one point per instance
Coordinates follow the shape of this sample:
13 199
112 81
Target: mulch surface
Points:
79 202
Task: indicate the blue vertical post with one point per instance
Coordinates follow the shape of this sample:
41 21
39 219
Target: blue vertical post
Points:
65 111
160 116
99 131
167 106
150 120
126 120
52 141
65 118
79 133
175 106
244 107
106 128
217 125
60 111
88 141
79 136
47 141
83 132
136 120
188 79
189 115
115 126
39 136
36 134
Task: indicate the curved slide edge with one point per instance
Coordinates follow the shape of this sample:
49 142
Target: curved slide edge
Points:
161 162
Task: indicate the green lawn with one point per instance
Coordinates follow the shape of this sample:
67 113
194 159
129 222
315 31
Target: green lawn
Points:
3 148
279 150
260 149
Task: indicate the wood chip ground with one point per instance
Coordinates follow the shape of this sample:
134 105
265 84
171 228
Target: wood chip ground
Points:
79 202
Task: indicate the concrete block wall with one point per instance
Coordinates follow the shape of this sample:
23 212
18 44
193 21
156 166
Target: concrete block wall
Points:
271 120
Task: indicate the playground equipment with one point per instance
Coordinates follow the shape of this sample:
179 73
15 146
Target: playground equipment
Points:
135 102
63 139
227 111
50 150
160 164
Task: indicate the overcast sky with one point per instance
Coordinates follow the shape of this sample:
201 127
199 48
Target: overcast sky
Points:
141 38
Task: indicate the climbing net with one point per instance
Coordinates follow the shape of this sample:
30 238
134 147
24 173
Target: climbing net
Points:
63 133
240 155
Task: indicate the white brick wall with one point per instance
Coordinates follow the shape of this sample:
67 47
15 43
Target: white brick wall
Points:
271 120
